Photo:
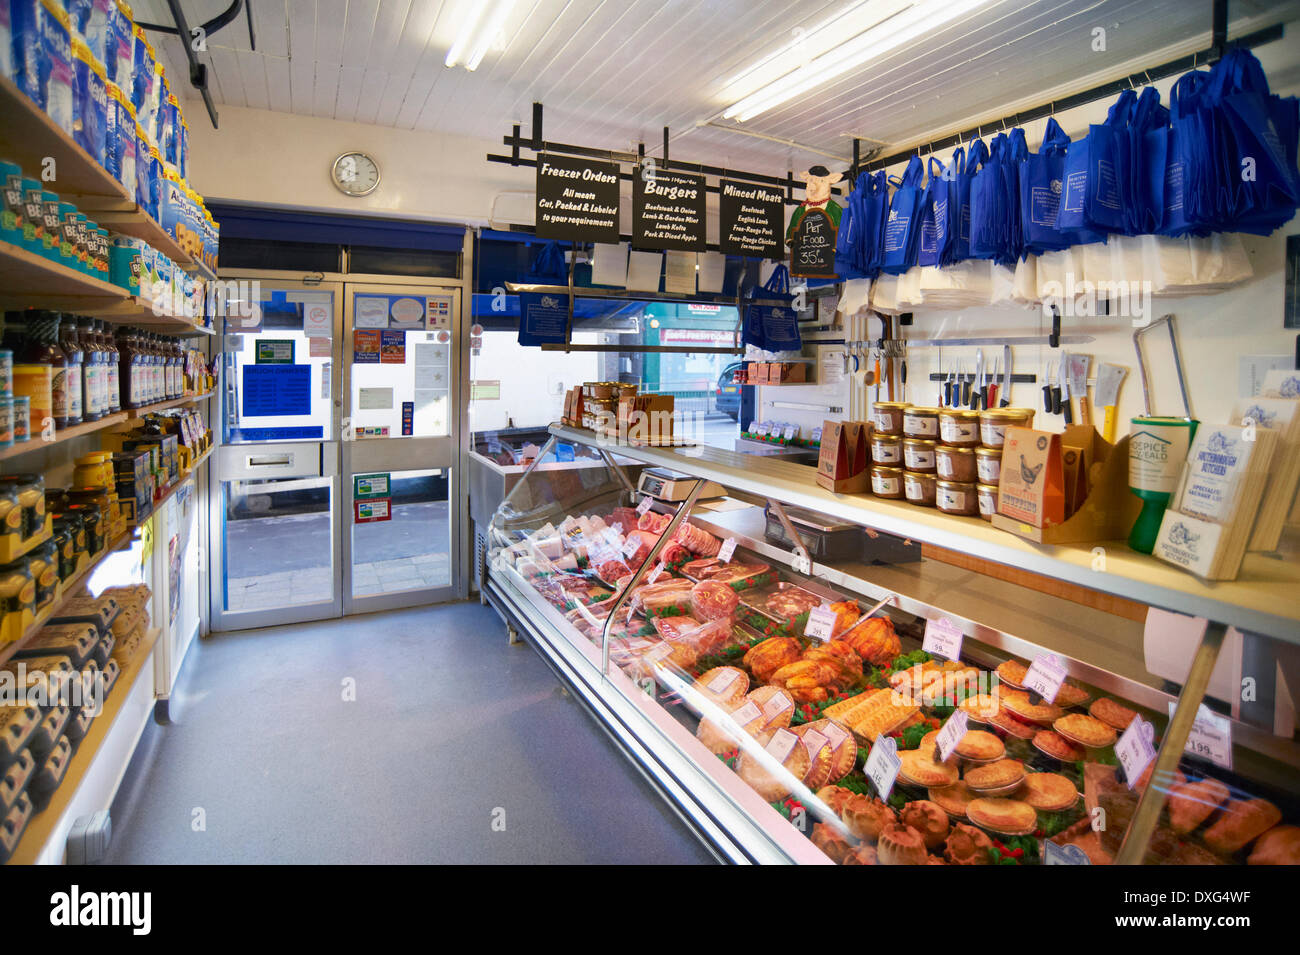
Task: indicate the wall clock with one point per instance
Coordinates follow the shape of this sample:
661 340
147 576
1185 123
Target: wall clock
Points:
355 174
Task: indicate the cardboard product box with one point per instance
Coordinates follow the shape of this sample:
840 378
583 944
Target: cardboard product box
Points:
1032 485
646 419
790 372
842 464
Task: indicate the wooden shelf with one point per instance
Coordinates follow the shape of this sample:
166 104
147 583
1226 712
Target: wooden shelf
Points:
134 310
28 137
30 279
43 823
108 421
176 486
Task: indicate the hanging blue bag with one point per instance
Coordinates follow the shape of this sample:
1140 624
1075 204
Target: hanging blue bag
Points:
846 239
934 214
991 226
976 155
1096 169
873 193
1040 193
1188 152
771 322
902 227
1149 144
1017 151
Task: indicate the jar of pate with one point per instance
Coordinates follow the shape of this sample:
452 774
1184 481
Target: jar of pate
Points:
887 482
919 488
954 463
988 465
995 421
919 422
988 500
888 416
959 427
918 455
886 449
956 497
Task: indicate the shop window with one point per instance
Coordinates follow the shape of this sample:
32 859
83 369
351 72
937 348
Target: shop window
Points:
288 256
373 260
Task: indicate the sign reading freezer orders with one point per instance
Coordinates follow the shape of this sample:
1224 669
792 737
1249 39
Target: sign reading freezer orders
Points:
577 199
279 391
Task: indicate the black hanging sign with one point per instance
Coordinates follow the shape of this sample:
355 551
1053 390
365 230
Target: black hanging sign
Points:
577 199
750 219
668 211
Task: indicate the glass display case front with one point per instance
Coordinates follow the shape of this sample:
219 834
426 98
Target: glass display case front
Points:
810 713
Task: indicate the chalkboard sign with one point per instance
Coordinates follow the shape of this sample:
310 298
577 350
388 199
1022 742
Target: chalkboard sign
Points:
668 211
812 245
750 219
577 199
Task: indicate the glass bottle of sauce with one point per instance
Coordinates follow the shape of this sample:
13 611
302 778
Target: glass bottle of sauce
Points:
33 366
92 371
112 368
70 342
45 365
127 368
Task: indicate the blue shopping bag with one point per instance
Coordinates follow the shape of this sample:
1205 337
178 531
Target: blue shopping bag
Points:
873 190
1189 159
1149 145
995 201
770 321
968 166
903 225
934 214
1096 173
1041 176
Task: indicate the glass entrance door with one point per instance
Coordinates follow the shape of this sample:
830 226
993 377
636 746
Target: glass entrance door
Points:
401 477
276 511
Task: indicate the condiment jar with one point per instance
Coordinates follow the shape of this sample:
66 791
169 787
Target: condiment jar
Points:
65 540
988 500
918 455
886 449
94 470
31 499
92 519
919 488
959 427
919 422
955 463
988 465
43 561
956 497
888 416
995 421
17 598
887 482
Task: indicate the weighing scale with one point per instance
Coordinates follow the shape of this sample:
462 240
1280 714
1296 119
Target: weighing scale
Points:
672 487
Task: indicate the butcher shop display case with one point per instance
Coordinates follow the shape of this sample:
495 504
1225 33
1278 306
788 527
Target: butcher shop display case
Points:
974 706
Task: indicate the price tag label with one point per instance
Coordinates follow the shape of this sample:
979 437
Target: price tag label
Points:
631 545
942 639
654 574
1045 676
950 735
753 427
1135 749
1064 855
727 549
821 623
645 504
777 705
789 432
813 741
613 536
883 765
1211 736
658 653
574 538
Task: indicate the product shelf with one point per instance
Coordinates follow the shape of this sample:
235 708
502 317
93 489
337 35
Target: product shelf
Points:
90 427
30 279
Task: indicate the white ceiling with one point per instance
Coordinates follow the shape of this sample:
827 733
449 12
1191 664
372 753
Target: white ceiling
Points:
611 72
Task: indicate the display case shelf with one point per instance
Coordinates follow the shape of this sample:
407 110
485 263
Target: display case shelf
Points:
1262 599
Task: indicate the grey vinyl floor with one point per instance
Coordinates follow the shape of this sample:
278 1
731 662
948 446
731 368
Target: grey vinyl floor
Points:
457 748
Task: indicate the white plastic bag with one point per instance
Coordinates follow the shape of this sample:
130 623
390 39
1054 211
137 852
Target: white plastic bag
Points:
909 289
963 285
884 295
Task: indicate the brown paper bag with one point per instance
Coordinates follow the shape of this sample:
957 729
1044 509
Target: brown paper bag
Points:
1032 486
842 465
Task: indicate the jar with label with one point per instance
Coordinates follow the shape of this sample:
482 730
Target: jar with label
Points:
92 522
33 365
94 405
919 488
956 497
74 354
11 517
43 561
886 449
30 489
959 427
918 455
988 500
955 463
17 599
64 539
887 482
112 376
995 421
919 422
988 465
887 416
94 470
22 418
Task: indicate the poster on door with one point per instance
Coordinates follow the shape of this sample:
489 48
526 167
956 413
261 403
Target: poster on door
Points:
438 312
366 347
316 320
392 347
371 511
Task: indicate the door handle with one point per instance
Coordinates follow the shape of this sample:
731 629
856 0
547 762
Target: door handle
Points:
270 461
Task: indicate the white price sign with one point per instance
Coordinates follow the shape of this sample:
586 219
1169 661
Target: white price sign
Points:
1135 749
883 765
631 545
1045 676
1064 855
950 735
821 623
645 504
1211 736
942 639
788 433
727 549
654 574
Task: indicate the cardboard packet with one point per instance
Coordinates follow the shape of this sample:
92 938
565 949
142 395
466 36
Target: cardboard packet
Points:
1032 487
842 464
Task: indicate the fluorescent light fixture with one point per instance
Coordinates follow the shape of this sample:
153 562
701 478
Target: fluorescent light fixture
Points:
480 26
899 30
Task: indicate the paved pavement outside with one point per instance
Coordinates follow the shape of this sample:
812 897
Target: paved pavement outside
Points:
282 561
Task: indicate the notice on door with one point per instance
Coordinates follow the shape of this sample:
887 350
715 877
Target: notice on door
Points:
392 348
275 351
577 199
375 399
750 219
366 347
370 485
368 512
668 212
438 311
370 311
316 320
277 391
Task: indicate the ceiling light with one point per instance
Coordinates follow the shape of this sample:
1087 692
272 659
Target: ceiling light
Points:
479 29
899 30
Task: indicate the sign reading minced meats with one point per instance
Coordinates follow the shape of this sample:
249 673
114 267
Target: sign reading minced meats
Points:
750 219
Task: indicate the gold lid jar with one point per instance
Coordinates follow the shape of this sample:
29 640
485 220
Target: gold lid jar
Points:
919 488
988 500
887 416
921 422
988 465
918 455
886 449
995 421
954 463
959 427
956 497
887 482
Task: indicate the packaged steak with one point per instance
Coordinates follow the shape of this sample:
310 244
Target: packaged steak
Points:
702 568
740 576
713 600
626 517
699 542
705 636
663 598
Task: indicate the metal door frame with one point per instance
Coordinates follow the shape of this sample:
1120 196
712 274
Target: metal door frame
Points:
406 453
329 468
